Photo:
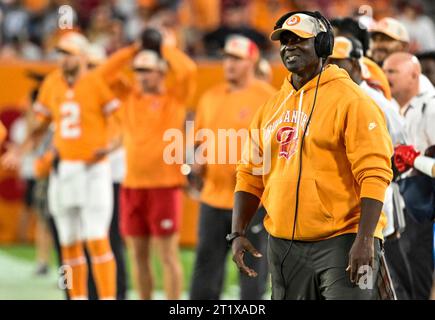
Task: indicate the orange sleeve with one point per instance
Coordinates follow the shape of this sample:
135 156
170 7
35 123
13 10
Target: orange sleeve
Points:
114 65
2 133
42 106
109 102
377 77
249 169
368 148
184 72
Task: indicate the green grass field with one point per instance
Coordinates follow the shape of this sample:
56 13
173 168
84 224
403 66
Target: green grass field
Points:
18 281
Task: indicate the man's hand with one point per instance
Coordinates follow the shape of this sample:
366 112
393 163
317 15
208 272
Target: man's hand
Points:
196 176
404 157
361 254
100 154
11 160
240 246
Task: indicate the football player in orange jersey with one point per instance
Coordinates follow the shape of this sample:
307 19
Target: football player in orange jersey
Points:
80 190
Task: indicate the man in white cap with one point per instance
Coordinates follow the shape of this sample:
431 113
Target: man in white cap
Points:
78 102
326 165
229 105
388 36
151 191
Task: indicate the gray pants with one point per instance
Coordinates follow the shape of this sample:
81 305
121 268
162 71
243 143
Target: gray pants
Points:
212 251
317 270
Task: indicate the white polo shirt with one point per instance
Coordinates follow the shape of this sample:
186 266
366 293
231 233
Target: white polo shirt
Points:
420 121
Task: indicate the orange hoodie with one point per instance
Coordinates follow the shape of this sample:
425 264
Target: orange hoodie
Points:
346 156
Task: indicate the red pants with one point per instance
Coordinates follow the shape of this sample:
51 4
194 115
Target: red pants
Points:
150 212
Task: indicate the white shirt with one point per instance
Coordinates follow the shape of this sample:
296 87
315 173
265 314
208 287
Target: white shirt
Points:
117 165
420 121
425 85
395 123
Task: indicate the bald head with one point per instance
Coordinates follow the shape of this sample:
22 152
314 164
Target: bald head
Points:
403 72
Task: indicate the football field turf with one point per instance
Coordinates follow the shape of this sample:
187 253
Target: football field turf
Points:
18 279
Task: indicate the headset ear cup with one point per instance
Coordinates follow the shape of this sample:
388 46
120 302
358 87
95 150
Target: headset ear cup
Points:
322 45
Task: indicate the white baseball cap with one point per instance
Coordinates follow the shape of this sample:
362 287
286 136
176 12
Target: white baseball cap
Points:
392 28
73 42
149 60
301 24
242 47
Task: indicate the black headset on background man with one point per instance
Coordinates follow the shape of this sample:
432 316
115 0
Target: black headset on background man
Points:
324 41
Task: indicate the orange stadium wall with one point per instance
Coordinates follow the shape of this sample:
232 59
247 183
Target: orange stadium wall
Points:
14 92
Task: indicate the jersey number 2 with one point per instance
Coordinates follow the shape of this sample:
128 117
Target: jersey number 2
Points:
70 122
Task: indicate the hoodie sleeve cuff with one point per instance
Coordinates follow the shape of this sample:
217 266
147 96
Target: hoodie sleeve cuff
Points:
374 188
250 184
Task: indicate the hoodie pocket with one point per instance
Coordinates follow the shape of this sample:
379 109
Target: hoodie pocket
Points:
314 221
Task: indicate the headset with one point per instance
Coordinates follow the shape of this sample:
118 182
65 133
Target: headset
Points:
324 41
323 45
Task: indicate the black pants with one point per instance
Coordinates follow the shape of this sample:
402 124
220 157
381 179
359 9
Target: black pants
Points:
118 249
211 256
410 259
400 269
317 270
418 246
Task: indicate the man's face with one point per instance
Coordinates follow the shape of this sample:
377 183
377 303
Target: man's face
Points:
69 63
149 80
428 68
381 46
398 77
297 53
236 68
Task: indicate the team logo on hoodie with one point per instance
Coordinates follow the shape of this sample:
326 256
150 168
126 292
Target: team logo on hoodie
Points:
287 139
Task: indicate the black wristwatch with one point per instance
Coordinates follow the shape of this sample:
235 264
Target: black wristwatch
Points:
231 236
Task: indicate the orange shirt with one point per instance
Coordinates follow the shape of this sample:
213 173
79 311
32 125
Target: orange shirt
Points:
2 133
145 118
376 77
220 108
78 112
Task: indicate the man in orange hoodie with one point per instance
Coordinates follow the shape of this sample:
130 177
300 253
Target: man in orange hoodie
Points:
326 166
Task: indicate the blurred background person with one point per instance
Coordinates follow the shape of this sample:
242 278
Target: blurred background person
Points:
418 110
427 61
389 36
235 20
372 73
420 27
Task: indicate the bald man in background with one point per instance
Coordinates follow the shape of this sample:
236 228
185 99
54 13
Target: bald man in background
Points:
403 71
